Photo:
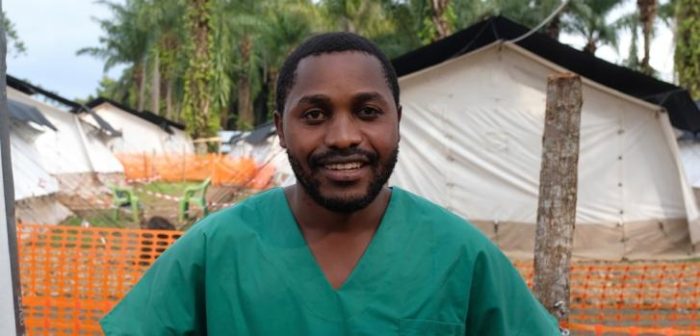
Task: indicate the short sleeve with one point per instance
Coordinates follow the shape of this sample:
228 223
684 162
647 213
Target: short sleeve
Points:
169 298
500 303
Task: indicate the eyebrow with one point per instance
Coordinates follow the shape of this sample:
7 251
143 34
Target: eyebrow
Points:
314 100
367 96
324 100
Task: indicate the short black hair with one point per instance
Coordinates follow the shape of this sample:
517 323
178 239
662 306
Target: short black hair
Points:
325 44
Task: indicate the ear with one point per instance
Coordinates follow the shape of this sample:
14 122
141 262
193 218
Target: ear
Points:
280 129
399 110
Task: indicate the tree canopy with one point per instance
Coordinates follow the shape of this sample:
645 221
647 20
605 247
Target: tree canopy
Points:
213 63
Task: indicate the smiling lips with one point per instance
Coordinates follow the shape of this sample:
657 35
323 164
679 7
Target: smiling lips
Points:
344 166
345 172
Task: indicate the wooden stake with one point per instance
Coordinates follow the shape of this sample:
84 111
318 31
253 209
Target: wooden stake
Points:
556 211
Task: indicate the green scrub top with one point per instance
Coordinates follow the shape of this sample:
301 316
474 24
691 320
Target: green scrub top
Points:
247 270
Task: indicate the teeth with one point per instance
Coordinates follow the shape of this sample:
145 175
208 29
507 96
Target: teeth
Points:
344 166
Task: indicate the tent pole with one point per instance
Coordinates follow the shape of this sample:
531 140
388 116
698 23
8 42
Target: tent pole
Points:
11 321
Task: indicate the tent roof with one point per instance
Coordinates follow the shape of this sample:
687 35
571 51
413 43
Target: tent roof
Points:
259 134
23 112
75 107
683 112
151 117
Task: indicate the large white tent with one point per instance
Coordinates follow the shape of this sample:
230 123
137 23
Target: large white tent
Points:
471 140
75 153
35 189
142 132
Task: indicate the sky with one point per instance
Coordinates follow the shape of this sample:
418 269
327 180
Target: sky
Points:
53 30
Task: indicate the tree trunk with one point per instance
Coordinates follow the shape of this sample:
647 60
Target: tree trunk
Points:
155 85
590 47
272 84
141 74
246 118
647 14
169 99
556 211
439 20
554 27
200 72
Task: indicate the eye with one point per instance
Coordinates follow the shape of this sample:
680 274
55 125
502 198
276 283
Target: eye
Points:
314 116
368 113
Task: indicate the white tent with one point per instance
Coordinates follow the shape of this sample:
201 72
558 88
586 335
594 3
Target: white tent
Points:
471 140
690 156
142 132
35 189
262 144
75 153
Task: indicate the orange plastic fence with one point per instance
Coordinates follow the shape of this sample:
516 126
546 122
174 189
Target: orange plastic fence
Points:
641 298
73 276
223 169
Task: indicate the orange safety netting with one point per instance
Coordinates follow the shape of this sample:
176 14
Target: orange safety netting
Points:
223 169
640 298
73 276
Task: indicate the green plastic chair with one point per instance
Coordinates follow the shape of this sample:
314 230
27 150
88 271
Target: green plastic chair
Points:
125 197
195 195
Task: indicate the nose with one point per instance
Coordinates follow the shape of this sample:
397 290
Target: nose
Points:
343 132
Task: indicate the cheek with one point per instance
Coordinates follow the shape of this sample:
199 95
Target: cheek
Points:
384 139
301 144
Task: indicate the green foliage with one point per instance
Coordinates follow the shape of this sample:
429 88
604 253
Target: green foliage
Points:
222 79
590 19
197 102
687 56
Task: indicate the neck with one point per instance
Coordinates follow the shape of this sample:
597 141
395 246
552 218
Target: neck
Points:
313 219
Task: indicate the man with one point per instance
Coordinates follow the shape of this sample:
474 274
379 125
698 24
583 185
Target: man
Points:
339 253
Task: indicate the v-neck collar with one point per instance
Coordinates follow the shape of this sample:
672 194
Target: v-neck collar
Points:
304 274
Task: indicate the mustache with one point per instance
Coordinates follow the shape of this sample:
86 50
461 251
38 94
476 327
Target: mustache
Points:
320 159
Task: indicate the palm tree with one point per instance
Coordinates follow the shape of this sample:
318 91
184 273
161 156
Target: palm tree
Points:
125 42
588 18
647 14
364 17
442 17
200 117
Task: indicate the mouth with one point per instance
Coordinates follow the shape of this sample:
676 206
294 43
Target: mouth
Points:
344 166
344 172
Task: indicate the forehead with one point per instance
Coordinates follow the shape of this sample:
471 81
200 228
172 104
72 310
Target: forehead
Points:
339 73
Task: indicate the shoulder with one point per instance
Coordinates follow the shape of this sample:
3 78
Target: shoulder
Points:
443 224
242 217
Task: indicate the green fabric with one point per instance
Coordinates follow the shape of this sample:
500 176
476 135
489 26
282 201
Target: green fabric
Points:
248 271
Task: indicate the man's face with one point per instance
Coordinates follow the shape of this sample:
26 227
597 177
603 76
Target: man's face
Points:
340 127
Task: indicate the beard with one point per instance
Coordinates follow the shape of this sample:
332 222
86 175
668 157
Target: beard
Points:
381 170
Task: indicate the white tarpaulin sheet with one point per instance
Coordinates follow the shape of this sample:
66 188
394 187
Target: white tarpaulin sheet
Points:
142 136
30 178
471 140
75 147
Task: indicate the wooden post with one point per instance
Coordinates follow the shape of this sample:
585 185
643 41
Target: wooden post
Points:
556 211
